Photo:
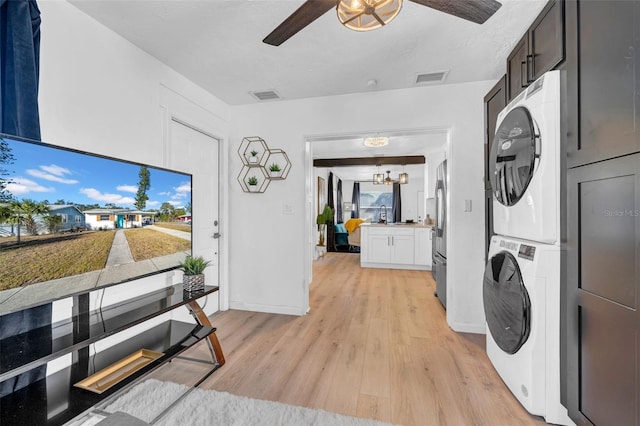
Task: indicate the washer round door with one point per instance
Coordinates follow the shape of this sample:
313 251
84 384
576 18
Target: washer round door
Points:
513 156
506 303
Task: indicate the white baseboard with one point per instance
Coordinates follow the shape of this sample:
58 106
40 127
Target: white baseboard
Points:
395 266
269 309
468 328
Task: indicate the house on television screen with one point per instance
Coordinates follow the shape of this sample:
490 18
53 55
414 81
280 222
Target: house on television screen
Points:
117 218
71 218
186 218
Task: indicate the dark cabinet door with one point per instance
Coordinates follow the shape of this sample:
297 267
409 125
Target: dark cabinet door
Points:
603 290
607 76
546 40
488 223
494 102
517 68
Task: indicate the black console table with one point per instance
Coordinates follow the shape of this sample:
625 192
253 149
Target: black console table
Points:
54 399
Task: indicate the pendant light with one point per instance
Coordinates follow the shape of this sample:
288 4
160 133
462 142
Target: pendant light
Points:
378 178
403 178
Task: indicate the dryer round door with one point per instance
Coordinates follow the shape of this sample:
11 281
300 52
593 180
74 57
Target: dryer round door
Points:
507 305
513 155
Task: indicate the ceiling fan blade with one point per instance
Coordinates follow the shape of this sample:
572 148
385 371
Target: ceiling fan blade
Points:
306 14
477 11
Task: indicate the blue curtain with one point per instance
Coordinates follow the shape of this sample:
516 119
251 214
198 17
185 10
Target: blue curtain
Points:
339 218
355 201
331 238
397 203
19 68
19 116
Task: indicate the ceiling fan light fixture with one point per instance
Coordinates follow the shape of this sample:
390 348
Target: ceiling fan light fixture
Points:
388 180
376 141
367 15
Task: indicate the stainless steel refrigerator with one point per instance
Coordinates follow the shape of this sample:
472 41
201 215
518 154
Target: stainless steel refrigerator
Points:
440 234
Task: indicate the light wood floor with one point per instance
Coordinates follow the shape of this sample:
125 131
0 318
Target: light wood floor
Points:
375 345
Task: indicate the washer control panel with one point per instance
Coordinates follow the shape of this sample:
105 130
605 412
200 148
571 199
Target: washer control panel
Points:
527 252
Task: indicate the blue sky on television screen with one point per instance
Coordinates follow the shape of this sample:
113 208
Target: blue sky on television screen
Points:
44 172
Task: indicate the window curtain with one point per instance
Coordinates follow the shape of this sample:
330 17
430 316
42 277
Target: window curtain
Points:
19 116
339 218
355 201
331 238
397 203
19 68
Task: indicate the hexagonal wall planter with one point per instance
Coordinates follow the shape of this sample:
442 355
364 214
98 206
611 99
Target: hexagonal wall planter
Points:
261 165
253 151
248 175
279 158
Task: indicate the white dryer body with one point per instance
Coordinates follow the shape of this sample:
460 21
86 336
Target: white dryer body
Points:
525 164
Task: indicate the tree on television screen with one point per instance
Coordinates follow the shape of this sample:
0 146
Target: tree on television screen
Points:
6 157
143 186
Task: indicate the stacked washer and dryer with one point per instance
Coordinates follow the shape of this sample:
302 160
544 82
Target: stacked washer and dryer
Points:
521 288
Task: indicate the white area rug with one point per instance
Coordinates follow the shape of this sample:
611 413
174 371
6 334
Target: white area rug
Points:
205 407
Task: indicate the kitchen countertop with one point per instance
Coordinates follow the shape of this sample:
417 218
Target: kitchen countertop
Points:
401 224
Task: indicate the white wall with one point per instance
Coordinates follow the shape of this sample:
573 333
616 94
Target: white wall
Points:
101 94
274 242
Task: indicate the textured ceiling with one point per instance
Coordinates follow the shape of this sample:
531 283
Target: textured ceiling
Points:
218 45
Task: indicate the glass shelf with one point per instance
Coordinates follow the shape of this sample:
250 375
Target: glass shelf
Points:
29 350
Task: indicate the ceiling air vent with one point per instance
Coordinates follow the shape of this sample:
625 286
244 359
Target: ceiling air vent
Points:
431 78
267 95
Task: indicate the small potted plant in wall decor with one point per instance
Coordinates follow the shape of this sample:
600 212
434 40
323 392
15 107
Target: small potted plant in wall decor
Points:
274 169
253 158
252 182
193 268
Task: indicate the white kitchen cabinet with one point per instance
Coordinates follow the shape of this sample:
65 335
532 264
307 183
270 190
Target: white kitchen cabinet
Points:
392 246
401 248
378 246
423 247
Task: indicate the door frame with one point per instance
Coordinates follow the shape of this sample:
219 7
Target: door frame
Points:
175 107
310 214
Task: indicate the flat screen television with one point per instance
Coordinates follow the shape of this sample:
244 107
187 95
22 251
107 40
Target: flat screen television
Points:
71 221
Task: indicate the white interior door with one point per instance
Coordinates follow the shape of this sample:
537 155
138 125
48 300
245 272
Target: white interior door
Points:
195 152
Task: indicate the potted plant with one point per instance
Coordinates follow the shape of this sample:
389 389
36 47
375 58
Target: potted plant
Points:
274 169
253 183
193 268
253 158
321 220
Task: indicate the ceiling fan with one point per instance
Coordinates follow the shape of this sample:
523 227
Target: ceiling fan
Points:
363 15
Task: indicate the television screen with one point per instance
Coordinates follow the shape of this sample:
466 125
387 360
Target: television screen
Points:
72 221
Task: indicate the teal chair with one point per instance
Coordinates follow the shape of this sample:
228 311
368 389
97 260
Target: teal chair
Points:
341 234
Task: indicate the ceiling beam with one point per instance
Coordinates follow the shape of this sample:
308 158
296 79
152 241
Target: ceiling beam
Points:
369 161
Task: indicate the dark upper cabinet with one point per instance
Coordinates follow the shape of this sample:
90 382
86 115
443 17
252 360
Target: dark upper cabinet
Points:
517 68
539 50
604 76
